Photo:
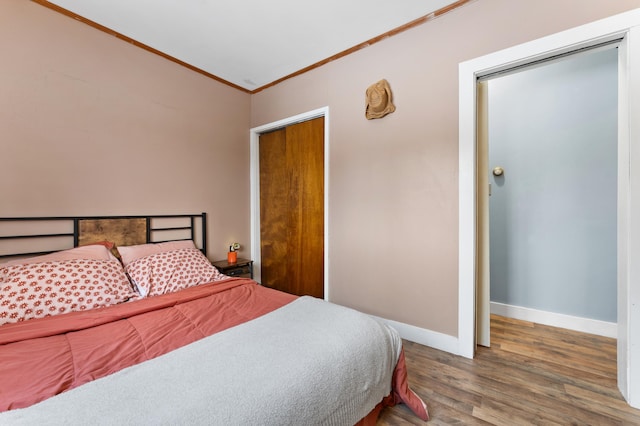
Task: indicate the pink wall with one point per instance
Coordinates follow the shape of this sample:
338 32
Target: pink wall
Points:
393 193
93 125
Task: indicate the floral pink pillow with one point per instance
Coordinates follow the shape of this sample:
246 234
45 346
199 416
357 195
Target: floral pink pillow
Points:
38 290
170 271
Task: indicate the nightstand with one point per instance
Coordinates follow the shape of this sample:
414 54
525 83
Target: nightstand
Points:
241 268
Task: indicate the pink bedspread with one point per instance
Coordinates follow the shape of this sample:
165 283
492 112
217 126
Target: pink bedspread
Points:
44 357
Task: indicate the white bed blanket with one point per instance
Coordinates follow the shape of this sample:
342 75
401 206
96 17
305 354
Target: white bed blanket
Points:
308 363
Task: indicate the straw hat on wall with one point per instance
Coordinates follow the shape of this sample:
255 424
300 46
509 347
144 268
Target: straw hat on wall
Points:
379 100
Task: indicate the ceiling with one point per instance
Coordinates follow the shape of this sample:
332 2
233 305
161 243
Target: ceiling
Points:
252 43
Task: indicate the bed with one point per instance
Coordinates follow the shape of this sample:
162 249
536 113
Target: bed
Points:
132 325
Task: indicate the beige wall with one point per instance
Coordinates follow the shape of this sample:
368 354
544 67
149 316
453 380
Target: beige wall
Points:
91 125
393 192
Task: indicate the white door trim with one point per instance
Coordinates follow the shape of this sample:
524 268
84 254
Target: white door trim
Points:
616 27
254 137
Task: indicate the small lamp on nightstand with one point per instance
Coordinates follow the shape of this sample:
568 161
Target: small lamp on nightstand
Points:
232 255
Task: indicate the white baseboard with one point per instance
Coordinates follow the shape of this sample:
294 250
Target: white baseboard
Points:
425 337
585 325
450 344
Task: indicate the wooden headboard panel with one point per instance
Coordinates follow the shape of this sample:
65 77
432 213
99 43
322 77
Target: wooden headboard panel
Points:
30 236
123 232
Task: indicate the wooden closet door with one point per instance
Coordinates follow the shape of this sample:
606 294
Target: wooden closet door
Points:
292 208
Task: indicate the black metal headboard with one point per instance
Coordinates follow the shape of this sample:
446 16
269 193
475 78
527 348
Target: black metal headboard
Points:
30 236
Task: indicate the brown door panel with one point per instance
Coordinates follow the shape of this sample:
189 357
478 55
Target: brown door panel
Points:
292 208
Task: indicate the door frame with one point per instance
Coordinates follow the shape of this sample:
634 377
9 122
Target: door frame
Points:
254 138
626 28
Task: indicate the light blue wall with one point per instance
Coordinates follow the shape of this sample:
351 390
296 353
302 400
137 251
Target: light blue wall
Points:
553 129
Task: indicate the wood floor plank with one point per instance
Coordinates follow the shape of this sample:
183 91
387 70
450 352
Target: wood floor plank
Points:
519 390
499 413
532 374
613 407
540 352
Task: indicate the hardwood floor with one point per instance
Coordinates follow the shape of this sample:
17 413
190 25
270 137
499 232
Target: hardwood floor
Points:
532 375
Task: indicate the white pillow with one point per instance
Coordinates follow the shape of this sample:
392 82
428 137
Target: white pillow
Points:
92 251
130 253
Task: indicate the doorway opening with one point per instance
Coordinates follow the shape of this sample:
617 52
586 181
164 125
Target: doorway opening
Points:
547 149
